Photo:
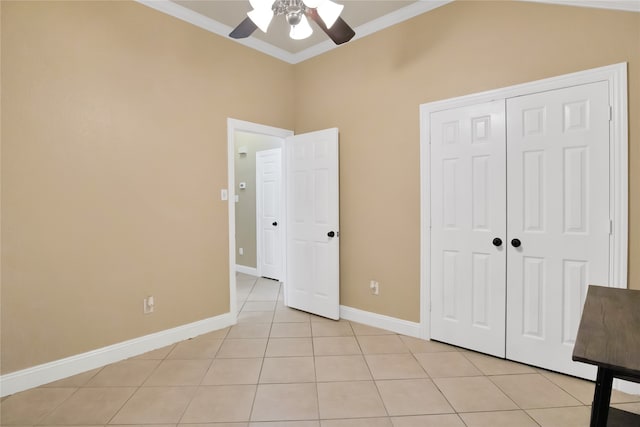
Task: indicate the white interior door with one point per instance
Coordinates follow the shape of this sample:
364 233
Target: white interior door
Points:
558 204
312 272
268 213
468 213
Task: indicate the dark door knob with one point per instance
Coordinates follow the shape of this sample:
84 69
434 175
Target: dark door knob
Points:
331 234
516 243
275 223
497 242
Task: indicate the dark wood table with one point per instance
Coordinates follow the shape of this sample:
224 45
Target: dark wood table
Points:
609 337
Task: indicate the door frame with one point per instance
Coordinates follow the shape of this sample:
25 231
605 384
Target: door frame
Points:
234 125
281 230
616 75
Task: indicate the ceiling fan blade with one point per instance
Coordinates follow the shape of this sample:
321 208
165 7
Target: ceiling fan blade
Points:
340 32
244 29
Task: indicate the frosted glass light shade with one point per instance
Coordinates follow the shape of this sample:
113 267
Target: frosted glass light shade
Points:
302 30
329 12
261 17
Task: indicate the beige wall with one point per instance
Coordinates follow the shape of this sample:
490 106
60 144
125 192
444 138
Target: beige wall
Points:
245 170
114 152
371 89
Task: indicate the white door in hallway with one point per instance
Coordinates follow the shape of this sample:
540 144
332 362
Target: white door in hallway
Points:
268 210
467 157
312 279
558 204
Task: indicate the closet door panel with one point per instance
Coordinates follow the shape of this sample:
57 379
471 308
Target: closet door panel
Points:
558 209
468 212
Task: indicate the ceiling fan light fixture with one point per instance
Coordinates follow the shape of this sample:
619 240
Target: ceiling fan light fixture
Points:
261 17
297 13
302 30
329 12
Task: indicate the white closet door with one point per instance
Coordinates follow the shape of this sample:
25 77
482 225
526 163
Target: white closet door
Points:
468 213
558 208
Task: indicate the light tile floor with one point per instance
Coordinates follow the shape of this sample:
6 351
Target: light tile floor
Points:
281 367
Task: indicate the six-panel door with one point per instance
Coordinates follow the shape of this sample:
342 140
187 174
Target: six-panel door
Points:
313 251
558 208
268 206
550 192
467 217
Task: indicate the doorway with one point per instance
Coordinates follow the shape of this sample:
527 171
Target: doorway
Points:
244 140
257 162
309 215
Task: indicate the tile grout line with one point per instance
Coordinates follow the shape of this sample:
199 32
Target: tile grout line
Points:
264 353
431 379
139 387
315 370
212 356
199 386
375 383
41 419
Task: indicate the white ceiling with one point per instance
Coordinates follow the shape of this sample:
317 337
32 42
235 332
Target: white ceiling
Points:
364 16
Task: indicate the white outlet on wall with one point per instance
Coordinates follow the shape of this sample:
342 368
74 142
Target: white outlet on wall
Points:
148 305
241 251
374 287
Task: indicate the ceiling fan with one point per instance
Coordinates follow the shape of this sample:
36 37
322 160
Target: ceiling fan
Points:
325 13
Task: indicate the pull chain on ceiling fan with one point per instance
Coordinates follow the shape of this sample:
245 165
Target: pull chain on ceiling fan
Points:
325 13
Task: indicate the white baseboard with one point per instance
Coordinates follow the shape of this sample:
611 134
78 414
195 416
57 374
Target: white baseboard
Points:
63 368
246 270
73 365
381 321
626 386
412 329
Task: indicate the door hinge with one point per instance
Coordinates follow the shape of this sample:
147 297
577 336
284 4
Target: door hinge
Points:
610 227
610 112
429 306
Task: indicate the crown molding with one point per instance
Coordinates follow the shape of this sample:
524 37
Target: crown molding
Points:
400 15
211 25
624 5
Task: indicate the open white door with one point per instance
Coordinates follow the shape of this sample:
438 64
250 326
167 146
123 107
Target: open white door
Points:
269 217
312 272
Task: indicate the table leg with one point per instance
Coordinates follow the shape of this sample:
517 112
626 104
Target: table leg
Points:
601 398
